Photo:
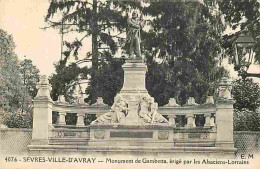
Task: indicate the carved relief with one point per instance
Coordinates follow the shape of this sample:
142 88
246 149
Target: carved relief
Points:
77 134
82 134
57 134
204 135
85 134
183 136
163 135
99 134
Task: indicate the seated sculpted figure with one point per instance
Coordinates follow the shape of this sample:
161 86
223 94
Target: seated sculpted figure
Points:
116 115
148 111
143 110
156 117
120 108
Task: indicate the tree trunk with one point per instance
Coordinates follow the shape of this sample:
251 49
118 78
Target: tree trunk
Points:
95 54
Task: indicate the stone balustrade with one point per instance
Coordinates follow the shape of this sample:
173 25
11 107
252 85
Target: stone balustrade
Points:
79 108
218 115
190 111
171 112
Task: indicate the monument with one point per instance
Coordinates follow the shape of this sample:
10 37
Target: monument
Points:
133 116
134 124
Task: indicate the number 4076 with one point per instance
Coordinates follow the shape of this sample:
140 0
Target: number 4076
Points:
10 159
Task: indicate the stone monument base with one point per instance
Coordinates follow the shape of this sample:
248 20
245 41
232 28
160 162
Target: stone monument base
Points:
116 136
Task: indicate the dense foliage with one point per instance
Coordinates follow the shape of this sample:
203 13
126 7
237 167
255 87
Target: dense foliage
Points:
11 88
246 120
242 16
186 36
30 76
103 21
18 85
65 80
110 77
18 120
246 94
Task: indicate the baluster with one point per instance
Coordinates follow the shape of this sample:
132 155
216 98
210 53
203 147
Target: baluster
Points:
80 119
172 120
61 119
207 119
212 120
190 120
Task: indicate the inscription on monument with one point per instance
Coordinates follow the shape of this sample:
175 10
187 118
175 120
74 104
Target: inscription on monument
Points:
131 134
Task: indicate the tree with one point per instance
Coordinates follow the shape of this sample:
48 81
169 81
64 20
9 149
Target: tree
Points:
65 80
244 17
11 87
246 94
30 76
11 90
186 36
110 77
103 21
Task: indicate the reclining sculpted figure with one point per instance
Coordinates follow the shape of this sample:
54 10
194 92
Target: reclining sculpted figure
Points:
147 111
117 114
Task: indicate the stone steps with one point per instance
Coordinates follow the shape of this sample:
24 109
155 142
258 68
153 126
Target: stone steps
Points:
77 141
198 144
85 141
130 150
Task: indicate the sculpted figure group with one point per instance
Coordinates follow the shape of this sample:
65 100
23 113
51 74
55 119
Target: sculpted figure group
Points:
146 109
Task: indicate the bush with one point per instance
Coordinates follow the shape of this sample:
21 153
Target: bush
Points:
18 120
246 120
246 94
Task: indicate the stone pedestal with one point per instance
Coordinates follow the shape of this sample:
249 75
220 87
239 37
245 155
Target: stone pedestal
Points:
42 113
132 131
42 121
120 136
224 115
134 86
134 77
224 122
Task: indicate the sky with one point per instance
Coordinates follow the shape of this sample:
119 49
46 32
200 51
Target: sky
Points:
24 19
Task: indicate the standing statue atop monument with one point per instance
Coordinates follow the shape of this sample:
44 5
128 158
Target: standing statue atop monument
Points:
133 38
